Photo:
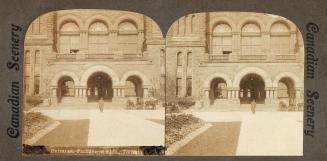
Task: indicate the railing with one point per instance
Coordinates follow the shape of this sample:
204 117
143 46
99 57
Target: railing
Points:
286 57
66 56
252 57
99 56
113 56
218 57
132 55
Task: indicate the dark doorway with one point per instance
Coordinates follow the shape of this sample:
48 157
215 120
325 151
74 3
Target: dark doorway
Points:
252 87
99 85
218 89
66 88
134 87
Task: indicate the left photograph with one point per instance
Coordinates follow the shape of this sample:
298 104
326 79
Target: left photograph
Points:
94 84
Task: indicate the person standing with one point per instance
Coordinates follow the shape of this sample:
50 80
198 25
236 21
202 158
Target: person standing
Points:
253 106
101 104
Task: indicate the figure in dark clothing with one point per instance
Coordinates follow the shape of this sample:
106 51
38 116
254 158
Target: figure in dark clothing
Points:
101 104
253 106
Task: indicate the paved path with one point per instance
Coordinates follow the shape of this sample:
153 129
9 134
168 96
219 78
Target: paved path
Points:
219 139
118 128
265 133
110 128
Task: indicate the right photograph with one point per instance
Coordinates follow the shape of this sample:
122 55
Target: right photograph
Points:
234 85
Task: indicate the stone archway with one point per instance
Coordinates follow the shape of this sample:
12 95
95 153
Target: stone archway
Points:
218 89
65 88
99 85
286 91
134 87
252 87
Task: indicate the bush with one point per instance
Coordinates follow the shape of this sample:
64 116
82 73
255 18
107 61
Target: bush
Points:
34 100
282 106
186 102
34 122
178 126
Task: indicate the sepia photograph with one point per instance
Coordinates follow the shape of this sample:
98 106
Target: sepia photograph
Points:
105 82
94 84
235 84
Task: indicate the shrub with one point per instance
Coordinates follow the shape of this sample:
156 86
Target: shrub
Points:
282 106
186 102
34 100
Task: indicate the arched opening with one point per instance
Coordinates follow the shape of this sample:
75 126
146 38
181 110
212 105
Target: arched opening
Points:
251 39
218 89
66 88
286 89
69 38
98 38
99 85
222 39
280 39
252 87
134 87
127 37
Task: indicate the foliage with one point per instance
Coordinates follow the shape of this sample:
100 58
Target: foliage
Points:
34 122
34 100
178 126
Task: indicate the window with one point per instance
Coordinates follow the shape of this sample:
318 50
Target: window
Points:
280 39
251 39
27 57
179 59
189 60
127 37
98 38
178 86
37 27
26 84
69 38
37 85
189 87
37 57
222 39
37 62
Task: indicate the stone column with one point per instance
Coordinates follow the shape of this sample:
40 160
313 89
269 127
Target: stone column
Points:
140 38
268 94
54 92
122 92
206 93
236 45
145 92
83 45
115 92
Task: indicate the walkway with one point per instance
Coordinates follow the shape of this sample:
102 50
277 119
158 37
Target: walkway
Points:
90 127
265 133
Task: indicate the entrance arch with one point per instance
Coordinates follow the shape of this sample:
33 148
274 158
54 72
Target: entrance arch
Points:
286 88
65 87
218 89
99 85
134 87
252 87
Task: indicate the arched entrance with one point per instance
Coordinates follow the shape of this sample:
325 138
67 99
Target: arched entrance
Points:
286 89
252 87
99 85
66 88
218 89
134 87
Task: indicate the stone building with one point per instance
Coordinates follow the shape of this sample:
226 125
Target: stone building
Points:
233 57
83 55
222 57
